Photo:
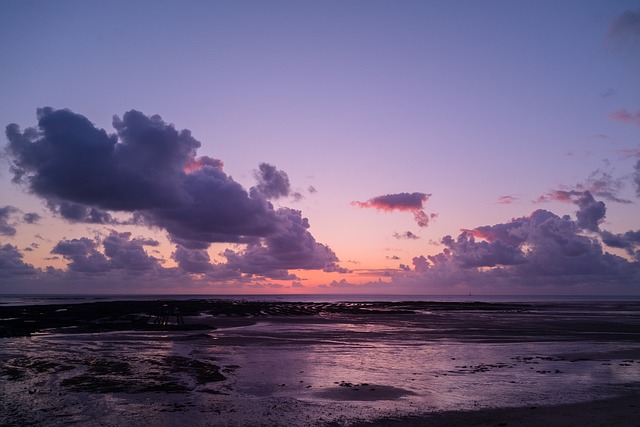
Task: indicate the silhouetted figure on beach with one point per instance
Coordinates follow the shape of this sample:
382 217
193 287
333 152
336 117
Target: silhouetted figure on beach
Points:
179 319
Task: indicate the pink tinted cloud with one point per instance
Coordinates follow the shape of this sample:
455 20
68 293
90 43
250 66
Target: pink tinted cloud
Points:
599 183
507 200
630 152
626 116
626 28
398 201
403 202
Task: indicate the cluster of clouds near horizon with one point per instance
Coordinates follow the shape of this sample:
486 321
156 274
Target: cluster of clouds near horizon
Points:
151 171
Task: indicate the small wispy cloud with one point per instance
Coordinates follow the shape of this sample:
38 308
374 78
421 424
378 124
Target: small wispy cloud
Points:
507 200
406 235
626 25
626 116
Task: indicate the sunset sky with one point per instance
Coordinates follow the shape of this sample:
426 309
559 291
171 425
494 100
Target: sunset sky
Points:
421 147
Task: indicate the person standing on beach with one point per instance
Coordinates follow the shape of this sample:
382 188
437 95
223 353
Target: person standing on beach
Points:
179 319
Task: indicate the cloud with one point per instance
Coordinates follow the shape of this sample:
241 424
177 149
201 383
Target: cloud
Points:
75 212
272 183
538 251
128 254
292 247
400 201
67 158
629 241
599 183
5 228
625 29
626 117
604 185
120 253
9 219
636 177
11 263
404 202
192 260
406 235
83 255
31 218
466 252
590 213
150 169
506 200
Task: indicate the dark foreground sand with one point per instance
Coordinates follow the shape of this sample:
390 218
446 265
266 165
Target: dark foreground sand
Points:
248 363
621 411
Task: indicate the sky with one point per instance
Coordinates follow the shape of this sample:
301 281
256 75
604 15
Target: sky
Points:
397 147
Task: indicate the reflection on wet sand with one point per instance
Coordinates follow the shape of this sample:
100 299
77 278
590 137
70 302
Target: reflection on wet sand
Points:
252 363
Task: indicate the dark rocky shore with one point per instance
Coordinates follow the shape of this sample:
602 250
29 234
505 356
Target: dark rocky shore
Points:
16 321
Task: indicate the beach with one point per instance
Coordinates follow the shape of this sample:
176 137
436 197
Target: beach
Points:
368 363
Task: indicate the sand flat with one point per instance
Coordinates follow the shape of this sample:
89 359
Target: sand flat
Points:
295 364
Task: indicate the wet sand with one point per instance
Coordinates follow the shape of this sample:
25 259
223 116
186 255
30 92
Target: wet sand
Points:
621 411
218 362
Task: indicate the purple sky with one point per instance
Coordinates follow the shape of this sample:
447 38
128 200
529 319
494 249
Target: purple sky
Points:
422 147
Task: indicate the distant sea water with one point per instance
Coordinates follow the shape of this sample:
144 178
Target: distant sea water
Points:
17 299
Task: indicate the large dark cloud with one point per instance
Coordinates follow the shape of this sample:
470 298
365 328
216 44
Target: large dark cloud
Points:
408 202
68 158
151 169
